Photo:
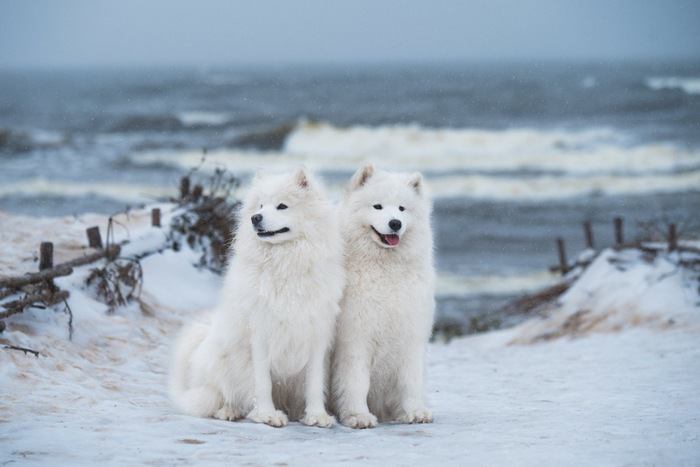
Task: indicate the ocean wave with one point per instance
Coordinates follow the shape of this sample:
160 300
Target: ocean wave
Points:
550 188
415 147
445 185
146 123
449 285
272 138
126 192
170 122
203 118
325 147
689 85
19 141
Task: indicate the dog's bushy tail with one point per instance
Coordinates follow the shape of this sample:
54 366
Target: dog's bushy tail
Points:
180 387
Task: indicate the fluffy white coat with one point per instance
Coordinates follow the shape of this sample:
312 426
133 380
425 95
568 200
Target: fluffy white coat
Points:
388 304
264 353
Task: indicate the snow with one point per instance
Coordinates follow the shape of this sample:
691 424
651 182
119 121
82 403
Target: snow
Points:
610 395
621 289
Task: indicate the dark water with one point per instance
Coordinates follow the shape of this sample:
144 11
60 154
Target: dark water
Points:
87 103
88 128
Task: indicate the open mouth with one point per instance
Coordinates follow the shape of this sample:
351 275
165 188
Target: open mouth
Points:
267 233
388 239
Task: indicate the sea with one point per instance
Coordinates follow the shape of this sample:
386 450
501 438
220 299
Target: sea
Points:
516 155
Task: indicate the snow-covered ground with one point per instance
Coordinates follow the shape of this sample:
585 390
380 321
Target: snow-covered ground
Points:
611 376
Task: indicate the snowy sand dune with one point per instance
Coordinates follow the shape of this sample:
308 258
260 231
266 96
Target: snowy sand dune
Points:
626 395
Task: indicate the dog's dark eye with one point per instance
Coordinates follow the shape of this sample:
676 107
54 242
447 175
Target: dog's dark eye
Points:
401 208
377 206
281 206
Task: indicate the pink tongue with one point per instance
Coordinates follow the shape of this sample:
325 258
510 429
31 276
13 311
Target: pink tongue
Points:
392 239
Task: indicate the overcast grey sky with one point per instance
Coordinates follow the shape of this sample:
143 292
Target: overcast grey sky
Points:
89 32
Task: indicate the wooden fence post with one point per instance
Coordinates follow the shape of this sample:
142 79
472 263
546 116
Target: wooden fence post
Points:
619 234
672 238
197 192
94 237
155 217
563 266
184 187
45 256
588 231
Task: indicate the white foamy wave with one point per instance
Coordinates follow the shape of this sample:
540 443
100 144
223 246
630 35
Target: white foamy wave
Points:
449 285
46 137
325 147
415 147
472 163
478 186
117 191
549 188
688 85
203 118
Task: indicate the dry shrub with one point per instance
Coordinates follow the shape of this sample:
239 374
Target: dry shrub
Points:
117 283
208 222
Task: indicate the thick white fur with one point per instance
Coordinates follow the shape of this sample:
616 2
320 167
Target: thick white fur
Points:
388 305
264 353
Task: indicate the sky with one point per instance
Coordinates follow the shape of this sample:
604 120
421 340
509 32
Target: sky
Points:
47 33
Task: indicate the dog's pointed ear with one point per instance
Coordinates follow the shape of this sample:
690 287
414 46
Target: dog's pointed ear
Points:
361 176
415 181
302 178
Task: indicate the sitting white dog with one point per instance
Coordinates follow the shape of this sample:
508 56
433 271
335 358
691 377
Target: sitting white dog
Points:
387 309
265 351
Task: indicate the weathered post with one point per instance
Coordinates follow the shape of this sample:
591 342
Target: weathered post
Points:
94 237
619 234
563 266
155 217
184 187
197 192
45 256
672 238
588 231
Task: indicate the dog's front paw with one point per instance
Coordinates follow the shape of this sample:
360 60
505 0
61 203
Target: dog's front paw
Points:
228 413
320 419
417 416
275 418
360 420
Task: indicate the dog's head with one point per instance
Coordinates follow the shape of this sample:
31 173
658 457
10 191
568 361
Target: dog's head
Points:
386 205
277 208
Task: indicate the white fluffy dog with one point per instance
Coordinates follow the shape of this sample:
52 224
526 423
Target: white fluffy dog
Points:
264 354
387 309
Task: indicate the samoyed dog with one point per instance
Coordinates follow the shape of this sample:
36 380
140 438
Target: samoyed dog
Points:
264 353
387 309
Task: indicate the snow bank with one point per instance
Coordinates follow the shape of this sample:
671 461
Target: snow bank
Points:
605 398
622 289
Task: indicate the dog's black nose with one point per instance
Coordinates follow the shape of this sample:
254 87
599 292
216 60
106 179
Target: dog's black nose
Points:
395 225
256 219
